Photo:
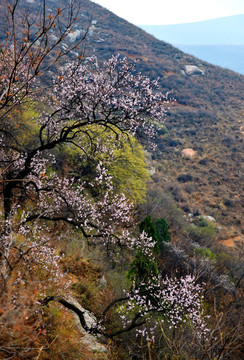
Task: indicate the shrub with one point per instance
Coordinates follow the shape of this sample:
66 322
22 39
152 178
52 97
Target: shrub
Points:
203 232
162 232
184 178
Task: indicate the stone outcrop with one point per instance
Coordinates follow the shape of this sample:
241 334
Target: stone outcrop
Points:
91 342
193 70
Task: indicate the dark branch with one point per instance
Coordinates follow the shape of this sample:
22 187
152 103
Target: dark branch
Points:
69 306
94 329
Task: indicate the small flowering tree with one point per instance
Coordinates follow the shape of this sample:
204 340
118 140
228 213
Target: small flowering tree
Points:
154 300
110 96
85 96
36 194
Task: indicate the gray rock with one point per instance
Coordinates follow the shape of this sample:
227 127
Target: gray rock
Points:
92 343
73 36
209 218
193 70
102 283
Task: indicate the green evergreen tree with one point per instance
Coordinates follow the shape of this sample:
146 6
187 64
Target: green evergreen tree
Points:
148 226
144 268
162 232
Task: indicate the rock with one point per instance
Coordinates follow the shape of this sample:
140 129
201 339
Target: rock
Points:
75 35
92 342
189 153
209 218
102 282
193 70
152 170
94 346
227 283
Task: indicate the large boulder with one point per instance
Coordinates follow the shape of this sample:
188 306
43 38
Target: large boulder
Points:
194 70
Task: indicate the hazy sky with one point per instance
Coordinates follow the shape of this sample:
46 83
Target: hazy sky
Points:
162 12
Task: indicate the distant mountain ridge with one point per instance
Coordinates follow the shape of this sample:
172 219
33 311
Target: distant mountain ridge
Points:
223 31
226 56
219 41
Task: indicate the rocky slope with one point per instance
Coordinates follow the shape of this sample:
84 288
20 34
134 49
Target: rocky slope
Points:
206 117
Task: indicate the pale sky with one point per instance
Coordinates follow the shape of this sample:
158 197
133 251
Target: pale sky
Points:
164 12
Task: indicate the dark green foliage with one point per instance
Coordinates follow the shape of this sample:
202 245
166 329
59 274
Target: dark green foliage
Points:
162 231
142 270
144 267
148 226
157 230
144 276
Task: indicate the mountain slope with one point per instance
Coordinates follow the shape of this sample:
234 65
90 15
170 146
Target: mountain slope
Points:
206 117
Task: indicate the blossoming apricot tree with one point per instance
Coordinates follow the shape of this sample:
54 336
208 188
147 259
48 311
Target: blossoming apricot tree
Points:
110 97
35 193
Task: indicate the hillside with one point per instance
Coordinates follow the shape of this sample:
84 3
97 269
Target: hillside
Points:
112 248
206 116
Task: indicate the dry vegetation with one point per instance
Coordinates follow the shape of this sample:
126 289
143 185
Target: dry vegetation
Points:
207 116
196 187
